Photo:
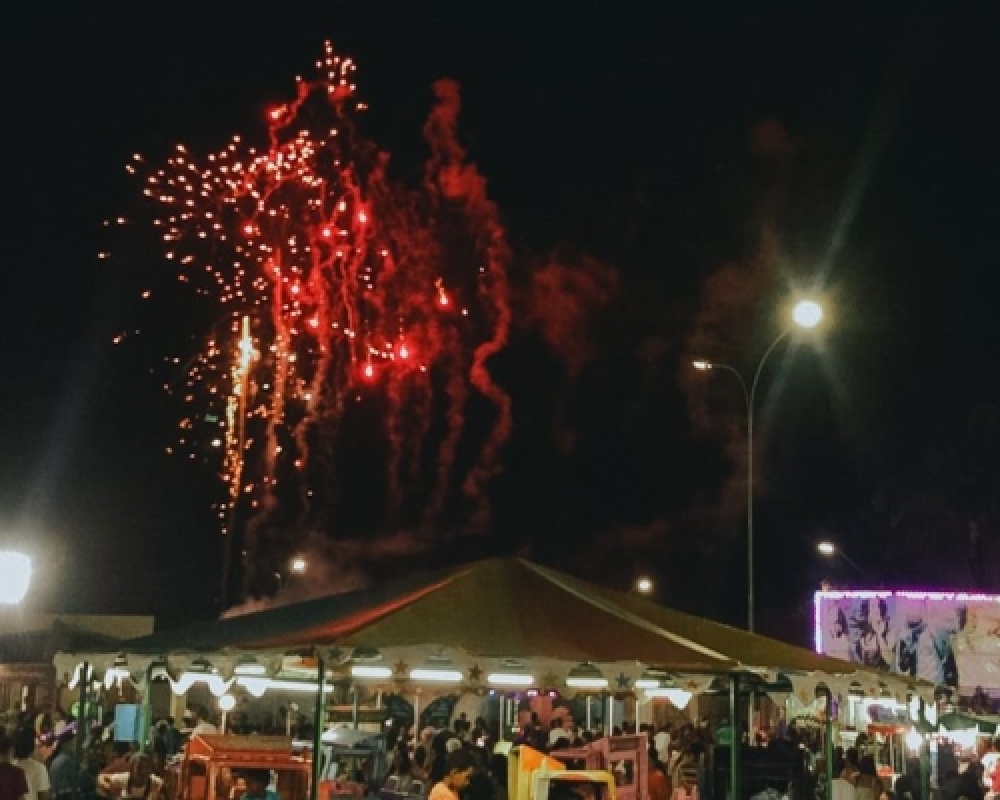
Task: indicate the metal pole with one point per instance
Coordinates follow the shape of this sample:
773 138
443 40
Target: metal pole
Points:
146 709
751 398
735 750
503 717
589 723
828 743
750 586
354 705
925 755
81 727
318 723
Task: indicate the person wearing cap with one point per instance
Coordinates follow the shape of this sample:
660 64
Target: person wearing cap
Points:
459 766
257 781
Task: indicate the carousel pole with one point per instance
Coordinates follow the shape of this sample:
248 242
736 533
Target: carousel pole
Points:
824 691
355 711
925 754
735 741
318 720
146 709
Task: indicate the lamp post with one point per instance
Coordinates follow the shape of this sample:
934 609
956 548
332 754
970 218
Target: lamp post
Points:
806 314
829 549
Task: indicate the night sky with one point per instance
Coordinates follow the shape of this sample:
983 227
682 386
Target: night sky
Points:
684 172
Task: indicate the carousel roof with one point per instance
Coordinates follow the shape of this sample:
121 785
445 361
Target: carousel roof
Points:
499 609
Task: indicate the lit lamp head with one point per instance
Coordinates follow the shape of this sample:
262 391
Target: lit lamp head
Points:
366 664
586 676
807 314
437 669
512 673
299 565
826 548
704 366
644 585
15 577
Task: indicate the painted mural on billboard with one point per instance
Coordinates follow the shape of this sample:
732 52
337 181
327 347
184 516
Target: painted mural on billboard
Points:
950 638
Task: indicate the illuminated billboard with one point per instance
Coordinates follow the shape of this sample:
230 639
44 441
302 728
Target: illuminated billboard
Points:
950 638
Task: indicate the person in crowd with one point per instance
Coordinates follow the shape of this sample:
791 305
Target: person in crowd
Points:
13 782
685 775
121 755
843 789
34 770
404 770
422 752
498 772
908 784
659 784
868 784
62 765
138 782
257 781
202 722
458 770
480 785
661 741
173 737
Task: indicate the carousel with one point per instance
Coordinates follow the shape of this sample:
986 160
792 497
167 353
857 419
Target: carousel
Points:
498 630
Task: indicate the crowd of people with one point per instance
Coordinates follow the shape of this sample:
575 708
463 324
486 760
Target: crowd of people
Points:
49 756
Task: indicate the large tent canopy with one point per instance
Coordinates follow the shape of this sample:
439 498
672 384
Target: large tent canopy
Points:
487 616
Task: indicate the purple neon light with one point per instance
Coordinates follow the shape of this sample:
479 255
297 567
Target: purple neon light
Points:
906 594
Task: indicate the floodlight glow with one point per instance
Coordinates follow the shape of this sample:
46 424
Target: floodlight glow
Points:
227 702
15 577
826 548
644 585
702 365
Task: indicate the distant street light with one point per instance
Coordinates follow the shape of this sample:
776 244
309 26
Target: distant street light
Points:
806 314
15 577
299 565
829 549
644 585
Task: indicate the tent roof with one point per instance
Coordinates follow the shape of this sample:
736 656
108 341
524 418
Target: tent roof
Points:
500 608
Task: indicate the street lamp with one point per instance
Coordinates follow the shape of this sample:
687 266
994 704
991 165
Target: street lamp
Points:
806 314
829 549
644 585
15 577
299 565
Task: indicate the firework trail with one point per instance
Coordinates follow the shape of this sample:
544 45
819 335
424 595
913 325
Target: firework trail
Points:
459 182
332 282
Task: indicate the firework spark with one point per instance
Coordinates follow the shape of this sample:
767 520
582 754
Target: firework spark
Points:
332 282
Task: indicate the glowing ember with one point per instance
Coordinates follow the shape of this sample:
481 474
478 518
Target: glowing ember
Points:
321 269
